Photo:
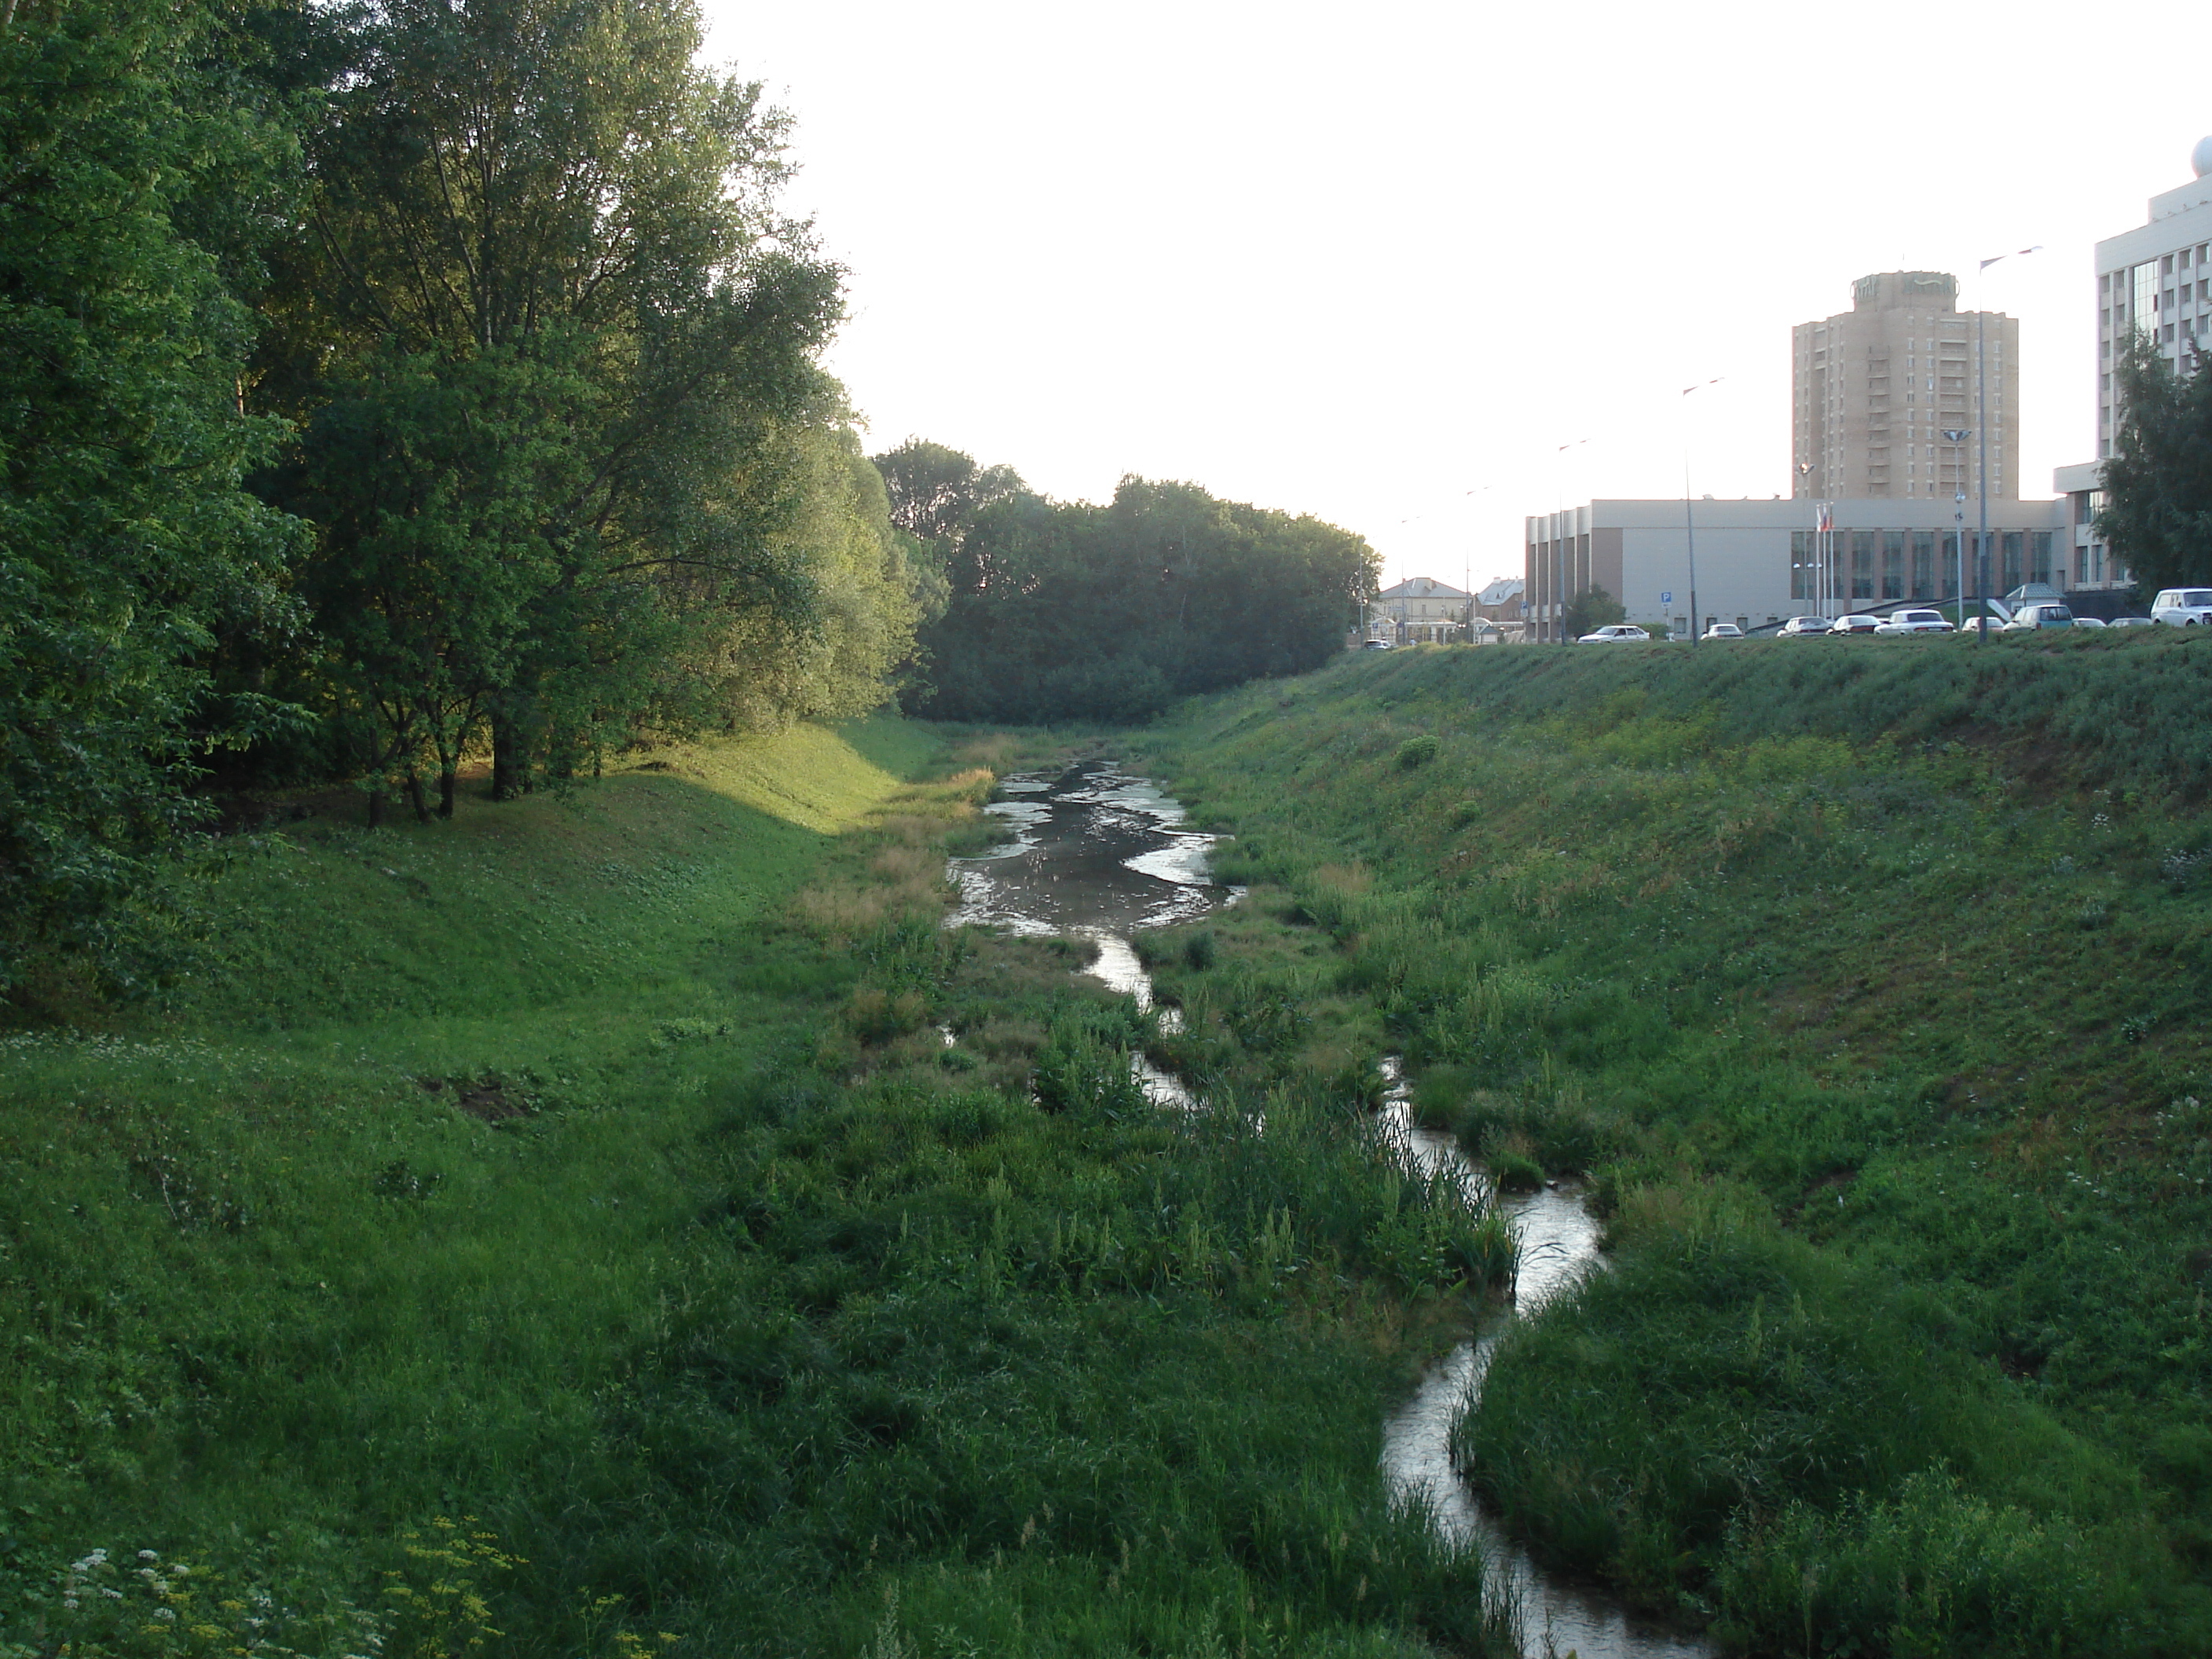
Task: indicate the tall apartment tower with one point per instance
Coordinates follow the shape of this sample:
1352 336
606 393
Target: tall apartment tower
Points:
1874 389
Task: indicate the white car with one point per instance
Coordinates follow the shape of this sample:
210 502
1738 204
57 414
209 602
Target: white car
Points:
1857 622
2183 607
2089 622
1915 621
1618 634
1724 631
2130 622
1802 627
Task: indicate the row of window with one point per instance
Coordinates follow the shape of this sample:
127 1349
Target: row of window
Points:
2114 280
1926 560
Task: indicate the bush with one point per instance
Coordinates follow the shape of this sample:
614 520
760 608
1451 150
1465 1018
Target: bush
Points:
1416 752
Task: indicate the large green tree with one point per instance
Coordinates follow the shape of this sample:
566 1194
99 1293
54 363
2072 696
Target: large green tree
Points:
1072 611
135 164
2158 481
566 348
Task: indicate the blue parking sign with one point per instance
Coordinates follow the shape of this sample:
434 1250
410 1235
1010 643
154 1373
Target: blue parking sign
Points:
1666 598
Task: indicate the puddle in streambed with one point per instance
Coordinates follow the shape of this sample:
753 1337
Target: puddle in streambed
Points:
1098 853
1558 1244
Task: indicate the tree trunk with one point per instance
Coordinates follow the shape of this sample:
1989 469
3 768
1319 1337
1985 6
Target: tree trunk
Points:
510 755
376 806
446 783
416 797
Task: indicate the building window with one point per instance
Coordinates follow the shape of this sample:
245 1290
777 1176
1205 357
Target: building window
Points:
1893 564
2013 545
1924 564
1862 564
1950 563
2039 552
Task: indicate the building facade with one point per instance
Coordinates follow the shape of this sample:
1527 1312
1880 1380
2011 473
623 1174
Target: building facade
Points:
1501 601
1874 389
2153 281
1419 609
1760 563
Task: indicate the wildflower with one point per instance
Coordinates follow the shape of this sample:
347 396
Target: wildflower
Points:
148 1555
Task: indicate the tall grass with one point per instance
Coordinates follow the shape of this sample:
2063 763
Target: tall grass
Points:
575 1212
1907 946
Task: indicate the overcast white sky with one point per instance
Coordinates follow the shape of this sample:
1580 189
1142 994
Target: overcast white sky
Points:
1360 261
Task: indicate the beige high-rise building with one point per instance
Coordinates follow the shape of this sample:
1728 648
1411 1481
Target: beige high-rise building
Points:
1874 389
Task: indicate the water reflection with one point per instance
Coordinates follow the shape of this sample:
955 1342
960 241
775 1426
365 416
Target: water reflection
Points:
1096 854
1558 1239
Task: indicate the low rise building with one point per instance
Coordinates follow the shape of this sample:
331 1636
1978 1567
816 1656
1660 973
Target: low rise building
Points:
1501 601
1417 610
1762 562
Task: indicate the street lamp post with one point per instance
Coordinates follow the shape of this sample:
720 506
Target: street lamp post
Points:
1689 520
1804 475
1956 436
1981 440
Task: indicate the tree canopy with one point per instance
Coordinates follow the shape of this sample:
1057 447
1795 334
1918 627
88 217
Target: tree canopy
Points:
1059 611
2158 481
127 153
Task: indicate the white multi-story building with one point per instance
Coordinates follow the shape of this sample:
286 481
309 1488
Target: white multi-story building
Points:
2157 280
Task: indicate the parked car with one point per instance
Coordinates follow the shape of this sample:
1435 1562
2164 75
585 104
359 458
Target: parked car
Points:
1799 627
1857 622
2043 613
1724 631
1616 633
2089 622
1915 621
1375 644
2131 621
1972 625
2183 607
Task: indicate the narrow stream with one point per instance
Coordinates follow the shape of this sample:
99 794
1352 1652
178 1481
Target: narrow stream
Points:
1099 853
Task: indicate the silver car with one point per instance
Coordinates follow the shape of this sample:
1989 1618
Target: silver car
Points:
1915 621
1617 634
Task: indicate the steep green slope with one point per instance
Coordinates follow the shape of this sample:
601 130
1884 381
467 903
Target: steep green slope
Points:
1863 980
563 1230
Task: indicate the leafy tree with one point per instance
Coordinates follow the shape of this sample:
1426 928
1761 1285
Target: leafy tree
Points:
936 492
2158 481
133 167
1072 611
558 460
1588 610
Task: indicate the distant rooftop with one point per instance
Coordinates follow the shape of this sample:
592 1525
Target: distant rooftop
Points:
1422 587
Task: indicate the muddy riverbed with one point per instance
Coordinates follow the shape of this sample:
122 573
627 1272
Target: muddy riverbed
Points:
1099 853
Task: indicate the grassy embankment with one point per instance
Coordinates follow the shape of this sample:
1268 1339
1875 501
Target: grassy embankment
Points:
566 1222
1865 982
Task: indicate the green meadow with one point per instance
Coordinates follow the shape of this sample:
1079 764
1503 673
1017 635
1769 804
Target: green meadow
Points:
1863 984
565 1231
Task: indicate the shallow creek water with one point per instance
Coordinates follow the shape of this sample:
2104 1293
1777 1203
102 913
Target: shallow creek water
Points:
1099 853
